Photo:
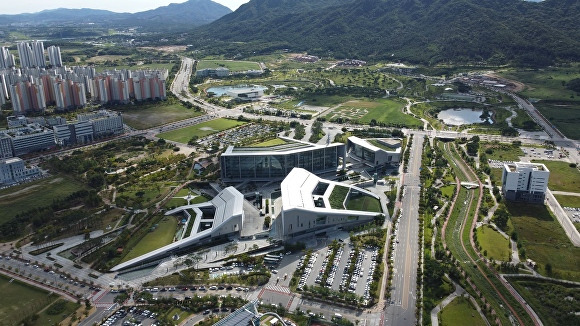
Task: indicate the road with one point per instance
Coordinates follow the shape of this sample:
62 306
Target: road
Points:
401 311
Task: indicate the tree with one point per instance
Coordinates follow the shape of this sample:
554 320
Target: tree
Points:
548 268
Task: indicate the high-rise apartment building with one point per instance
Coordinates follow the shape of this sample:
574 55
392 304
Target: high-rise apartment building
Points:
54 57
6 58
28 96
31 54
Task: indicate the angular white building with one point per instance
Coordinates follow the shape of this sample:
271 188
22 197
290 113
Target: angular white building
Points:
374 152
14 170
309 204
527 182
217 219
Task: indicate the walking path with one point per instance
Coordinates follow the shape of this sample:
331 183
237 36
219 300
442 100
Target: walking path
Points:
435 312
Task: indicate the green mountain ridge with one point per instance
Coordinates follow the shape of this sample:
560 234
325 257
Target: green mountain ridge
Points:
426 31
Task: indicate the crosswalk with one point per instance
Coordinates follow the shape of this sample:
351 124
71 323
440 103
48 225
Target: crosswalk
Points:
278 288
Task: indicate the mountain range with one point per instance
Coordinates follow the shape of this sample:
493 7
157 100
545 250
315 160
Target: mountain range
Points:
426 31
190 13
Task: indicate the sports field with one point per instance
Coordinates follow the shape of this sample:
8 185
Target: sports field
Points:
563 177
161 236
231 65
491 241
381 111
460 312
19 300
18 199
203 129
148 115
544 240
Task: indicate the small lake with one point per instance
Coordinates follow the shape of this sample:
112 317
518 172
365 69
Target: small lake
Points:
222 90
458 117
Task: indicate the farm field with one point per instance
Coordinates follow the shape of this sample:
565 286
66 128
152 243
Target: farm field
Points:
20 300
494 243
460 312
546 84
18 199
382 111
544 240
161 236
566 116
231 65
200 130
148 115
562 176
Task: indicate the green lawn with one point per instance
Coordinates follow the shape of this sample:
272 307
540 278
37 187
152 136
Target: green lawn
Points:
378 111
568 201
546 83
269 143
203 129
544 240
176 202
337 197
502 152
231 65
364 203
460 312
168 66
161 236
147 115
19 301
494 243
44 318
448 191
18 199
562 176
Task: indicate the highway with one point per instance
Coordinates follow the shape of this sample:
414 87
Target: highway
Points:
401 310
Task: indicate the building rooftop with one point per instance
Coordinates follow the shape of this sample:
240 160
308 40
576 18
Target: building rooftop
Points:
291 146
378 144
516 166
246 315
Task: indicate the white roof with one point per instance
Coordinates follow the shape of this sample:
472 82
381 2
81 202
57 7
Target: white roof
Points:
364 143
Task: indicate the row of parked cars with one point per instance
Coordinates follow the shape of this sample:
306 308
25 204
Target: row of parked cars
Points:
367 293
196 288
334 268
308 265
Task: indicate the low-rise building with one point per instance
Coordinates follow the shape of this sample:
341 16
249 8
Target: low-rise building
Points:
14 170
527 182
375 152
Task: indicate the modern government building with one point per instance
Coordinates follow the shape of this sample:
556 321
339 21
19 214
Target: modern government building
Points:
375 152
527 182
275 162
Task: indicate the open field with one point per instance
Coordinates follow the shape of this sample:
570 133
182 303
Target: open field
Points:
544 240
494 243
45 318
200 130
565 115
460 312
381 111
167 66
562 176
18 199
551 301
568 201
231 65
19 300
161 236
502 152
148 115
546 83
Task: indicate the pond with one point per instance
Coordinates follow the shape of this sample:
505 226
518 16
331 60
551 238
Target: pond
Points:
458 117
222 90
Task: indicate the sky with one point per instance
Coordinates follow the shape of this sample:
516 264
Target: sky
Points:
31 6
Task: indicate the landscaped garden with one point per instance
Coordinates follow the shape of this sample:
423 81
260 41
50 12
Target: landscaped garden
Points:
184 135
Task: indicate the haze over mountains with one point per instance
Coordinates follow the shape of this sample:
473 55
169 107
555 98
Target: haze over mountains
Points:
190 13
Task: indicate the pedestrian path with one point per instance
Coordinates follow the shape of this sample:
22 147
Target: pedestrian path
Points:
278 288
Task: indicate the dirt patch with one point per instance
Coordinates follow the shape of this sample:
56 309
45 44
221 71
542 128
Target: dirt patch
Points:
56 180
168 49
21 191
518 86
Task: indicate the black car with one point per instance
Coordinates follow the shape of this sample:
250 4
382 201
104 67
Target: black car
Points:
205 312
229 288
216 309
220 287
224 309
193 288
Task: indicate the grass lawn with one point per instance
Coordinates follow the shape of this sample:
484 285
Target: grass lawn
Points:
364 203
176 311
568 201
161 236
18 199
176 202
544 240
502 152
380 111
203 129
494 243
448 191
496 175
231 65
148 115
46 319
336 198
562 176
269 143
460 312
167 66
20 300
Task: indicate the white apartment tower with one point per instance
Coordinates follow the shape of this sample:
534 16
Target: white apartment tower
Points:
31 54
527 182
54 57
6 58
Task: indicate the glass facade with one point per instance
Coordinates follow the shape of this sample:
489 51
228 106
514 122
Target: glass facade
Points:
249 166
